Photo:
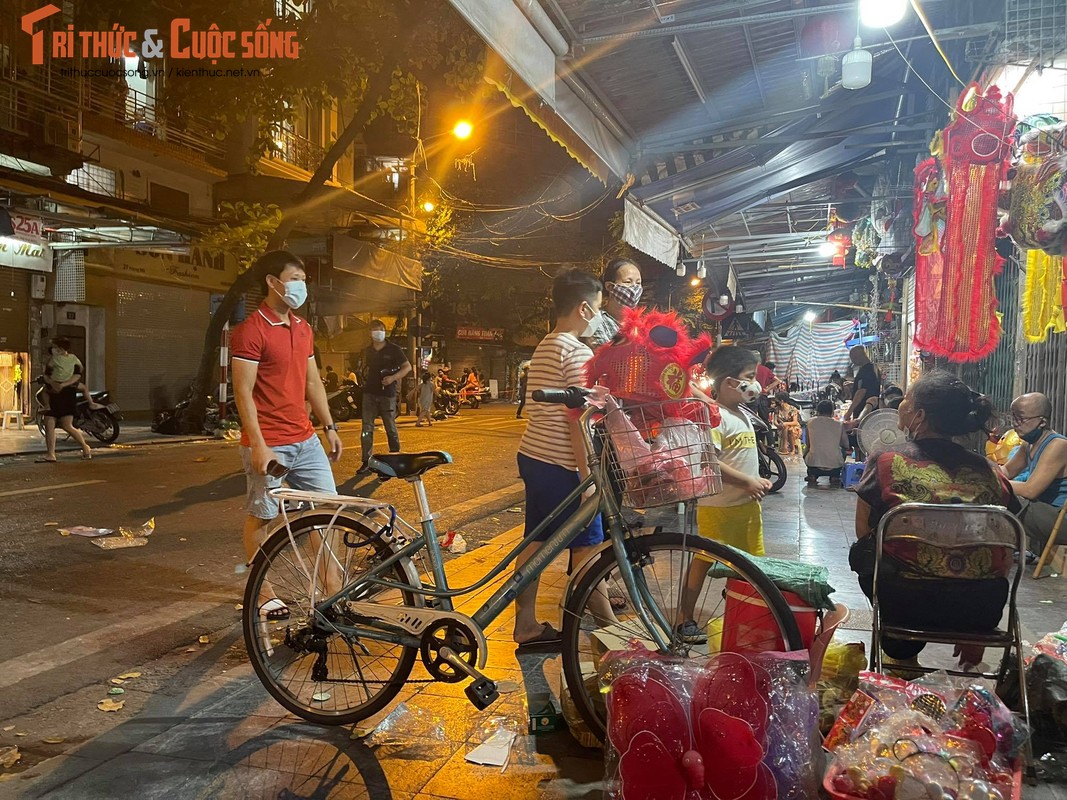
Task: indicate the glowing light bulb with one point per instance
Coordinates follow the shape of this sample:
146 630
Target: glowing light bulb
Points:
428 207
882 13
463 129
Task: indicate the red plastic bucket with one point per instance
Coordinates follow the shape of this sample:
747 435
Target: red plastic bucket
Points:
748 626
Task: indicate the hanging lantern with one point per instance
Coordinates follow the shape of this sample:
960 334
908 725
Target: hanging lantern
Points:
841 242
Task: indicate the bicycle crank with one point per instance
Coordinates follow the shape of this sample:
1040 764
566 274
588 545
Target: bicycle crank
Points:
482 692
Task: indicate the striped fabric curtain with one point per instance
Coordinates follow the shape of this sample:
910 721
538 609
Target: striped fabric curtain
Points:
808 354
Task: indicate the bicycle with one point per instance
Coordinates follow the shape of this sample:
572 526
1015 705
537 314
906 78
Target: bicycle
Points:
367 592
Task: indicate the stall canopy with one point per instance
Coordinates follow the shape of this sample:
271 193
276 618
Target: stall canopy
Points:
726 122
368 278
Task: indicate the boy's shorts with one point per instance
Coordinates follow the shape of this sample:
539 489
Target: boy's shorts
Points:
547 485
738 526
309 470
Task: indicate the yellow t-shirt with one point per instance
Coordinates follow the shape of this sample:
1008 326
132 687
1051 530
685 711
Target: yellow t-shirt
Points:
735 443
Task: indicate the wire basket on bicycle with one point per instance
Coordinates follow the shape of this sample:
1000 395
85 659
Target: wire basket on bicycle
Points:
661 453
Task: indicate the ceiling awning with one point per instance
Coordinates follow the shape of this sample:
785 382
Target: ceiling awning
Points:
366 260
526 70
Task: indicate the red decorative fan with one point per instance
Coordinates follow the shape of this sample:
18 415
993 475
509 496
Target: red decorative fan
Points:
711 750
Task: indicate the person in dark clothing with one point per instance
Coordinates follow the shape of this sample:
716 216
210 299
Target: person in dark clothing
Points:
386 367
931 468
867 388
331 380
524 375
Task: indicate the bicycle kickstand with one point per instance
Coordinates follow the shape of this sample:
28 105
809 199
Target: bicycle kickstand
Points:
482 692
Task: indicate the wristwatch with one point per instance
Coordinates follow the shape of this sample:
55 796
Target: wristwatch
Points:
331 427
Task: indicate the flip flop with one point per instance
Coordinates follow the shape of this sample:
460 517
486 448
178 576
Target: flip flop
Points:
274 610
44 461
548 640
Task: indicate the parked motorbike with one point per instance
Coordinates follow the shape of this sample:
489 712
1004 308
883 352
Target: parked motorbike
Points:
771 465
172 421
102 423
446 399
346 402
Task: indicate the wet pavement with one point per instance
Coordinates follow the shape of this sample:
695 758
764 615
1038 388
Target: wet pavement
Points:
197 723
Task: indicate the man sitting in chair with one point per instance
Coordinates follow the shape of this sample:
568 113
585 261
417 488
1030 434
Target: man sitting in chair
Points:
1038 469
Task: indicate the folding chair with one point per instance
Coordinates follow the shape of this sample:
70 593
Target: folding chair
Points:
955 529
1051 543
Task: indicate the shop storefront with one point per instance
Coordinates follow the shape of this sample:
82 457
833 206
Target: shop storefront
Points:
156 306
25 261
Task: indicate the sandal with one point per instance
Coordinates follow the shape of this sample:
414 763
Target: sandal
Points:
45 460
617 598
274 610
549 639
87 455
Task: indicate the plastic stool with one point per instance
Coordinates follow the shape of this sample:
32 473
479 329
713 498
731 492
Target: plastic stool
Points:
851 473
12 416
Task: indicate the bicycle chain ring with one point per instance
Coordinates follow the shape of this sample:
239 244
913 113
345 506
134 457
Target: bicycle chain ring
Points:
447 633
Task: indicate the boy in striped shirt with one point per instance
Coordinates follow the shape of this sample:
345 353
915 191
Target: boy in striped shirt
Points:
551 458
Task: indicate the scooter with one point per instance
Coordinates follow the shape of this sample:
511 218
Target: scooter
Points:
446 399
473 398
346 402
102 423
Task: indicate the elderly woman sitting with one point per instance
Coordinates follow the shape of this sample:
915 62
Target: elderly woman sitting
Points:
930 468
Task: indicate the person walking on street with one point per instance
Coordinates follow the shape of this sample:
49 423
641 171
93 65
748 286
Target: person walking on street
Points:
524 375
63 374
386 367
426 393
274 374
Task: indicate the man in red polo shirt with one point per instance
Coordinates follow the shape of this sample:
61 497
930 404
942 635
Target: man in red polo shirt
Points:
274 372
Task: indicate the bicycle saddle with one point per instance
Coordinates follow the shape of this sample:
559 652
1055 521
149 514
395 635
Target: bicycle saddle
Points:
406 465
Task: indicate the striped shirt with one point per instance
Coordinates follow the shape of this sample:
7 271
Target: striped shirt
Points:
558 362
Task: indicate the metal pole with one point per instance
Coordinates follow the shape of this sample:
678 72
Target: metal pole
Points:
224 364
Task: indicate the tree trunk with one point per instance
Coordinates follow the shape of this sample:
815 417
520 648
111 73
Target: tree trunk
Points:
377 87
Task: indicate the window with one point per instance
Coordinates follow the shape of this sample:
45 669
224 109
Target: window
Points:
171 201
94 178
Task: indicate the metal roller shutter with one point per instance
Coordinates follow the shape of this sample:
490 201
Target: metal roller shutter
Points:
159 337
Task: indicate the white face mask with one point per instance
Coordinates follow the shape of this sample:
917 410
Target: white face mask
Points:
749 390
295 294
592 325
377 336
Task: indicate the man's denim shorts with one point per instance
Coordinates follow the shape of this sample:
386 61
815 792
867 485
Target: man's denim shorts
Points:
309 470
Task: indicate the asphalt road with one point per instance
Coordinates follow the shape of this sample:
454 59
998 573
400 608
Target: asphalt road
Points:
75 614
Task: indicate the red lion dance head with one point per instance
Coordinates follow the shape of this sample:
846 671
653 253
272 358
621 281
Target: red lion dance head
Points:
650 360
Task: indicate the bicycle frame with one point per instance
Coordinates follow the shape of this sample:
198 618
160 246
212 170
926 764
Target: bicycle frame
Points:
602 501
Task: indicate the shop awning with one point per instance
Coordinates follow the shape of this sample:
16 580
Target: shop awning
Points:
367 279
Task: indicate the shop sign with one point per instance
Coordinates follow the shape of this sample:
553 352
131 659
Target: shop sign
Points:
480 334
200 268
27 247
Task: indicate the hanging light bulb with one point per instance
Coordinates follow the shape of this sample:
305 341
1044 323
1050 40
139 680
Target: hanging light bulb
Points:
680 270
810 317
882 13
724 300
702 271
856 67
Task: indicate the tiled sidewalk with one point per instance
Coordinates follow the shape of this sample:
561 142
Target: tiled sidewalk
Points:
226 738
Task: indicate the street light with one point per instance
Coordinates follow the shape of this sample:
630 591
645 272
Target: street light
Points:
428 207
882 13
694 282
463 129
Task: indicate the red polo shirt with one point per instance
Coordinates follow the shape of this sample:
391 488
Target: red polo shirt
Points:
281 350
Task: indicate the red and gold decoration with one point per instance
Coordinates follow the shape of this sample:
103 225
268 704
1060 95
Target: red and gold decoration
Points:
957 318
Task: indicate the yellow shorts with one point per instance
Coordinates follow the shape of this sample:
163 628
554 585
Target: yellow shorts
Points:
738 526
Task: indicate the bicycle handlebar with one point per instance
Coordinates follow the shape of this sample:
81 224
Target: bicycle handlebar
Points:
571 397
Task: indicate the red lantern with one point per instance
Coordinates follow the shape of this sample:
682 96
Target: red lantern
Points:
841 242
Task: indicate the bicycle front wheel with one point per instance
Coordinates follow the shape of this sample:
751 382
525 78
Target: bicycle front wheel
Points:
682 579
306 663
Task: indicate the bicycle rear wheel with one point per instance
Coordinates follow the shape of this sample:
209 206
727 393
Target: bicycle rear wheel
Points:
664 564
308 666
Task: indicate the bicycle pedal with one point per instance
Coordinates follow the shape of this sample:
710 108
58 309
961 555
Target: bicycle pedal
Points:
482 693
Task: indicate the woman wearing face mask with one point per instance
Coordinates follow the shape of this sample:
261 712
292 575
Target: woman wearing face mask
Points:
930 468
622 290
